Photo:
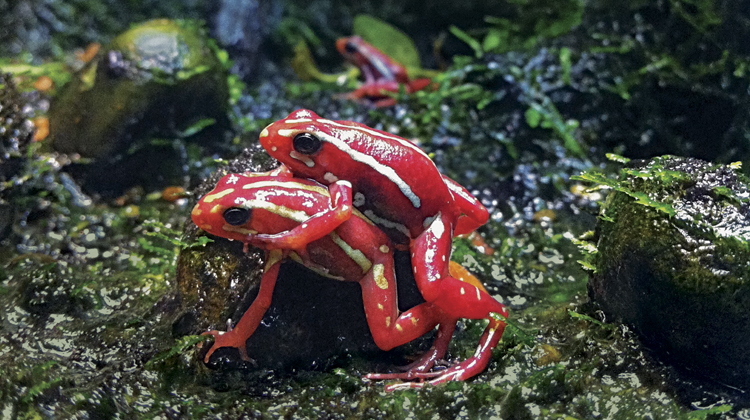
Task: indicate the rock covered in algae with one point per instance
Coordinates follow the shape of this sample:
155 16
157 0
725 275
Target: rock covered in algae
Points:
161 79
312 320
673 261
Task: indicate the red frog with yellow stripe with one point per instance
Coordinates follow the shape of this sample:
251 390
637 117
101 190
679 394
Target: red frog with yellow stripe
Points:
315 225
382 74
393 183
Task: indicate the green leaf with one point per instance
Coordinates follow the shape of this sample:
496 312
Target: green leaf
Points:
533 117
565 64
180 346
387 38
617 158
473 43
197 127
492 40
703 414
305 68
576 315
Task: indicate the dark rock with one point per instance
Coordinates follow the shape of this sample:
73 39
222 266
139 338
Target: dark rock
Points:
673 261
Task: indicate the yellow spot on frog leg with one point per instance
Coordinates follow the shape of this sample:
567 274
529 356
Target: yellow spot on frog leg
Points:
414 321
399 328
211 197
377 272
479 295
384 249
380 306
387 321
463 292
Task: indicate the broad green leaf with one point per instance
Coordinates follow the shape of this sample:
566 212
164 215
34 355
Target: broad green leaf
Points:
388 39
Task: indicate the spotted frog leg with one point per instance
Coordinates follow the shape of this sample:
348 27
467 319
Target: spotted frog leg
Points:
464 289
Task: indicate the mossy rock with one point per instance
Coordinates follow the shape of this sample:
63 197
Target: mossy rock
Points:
160 80
673 261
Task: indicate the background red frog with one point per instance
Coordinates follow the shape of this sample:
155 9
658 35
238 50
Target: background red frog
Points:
393 183
381 72
301 220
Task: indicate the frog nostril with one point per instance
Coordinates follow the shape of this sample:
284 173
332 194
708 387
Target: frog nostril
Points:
236 216
306 143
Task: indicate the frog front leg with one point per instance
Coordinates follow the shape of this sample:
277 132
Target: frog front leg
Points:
237 337
313 228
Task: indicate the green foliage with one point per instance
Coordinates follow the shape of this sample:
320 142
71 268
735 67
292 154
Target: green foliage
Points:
197 127
544 114
23 68
295 31
525 24
181 345
473 43
304 67
388 39
575 315
709 413
169 235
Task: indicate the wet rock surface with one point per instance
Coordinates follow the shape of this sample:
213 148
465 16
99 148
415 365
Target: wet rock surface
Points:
673 261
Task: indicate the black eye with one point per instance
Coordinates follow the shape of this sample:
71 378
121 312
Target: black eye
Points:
350 48
306 143
236 216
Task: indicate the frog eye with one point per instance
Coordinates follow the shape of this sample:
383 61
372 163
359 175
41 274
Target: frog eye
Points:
306 143
236 216
350 48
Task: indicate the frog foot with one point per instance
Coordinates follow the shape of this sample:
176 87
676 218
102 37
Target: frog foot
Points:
411 371
227 339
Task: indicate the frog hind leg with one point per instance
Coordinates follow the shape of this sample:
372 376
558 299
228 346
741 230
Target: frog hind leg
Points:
237 336
464 298
428 360
430 256
466 369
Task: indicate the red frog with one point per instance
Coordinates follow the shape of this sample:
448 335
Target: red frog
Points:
382 74
393 183
305 221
